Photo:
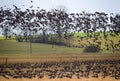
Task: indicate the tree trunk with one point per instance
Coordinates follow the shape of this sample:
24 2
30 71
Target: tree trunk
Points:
104 32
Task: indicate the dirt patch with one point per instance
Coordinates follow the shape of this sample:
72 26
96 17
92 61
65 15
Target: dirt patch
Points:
63 79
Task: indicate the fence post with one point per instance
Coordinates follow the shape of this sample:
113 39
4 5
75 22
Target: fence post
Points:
60 59
76 58
6 60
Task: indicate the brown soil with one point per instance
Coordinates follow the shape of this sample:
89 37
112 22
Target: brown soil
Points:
63 79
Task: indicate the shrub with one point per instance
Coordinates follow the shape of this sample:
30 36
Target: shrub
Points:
19 39
92 48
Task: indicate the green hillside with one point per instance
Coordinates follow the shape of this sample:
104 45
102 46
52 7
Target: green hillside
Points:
12 47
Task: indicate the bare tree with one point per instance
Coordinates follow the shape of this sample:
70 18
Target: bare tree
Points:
6 22
59 22
42 23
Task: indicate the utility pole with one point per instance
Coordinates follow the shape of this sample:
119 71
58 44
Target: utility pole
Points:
30 44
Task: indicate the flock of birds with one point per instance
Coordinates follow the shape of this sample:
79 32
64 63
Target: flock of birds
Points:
51 70
80 69
104 43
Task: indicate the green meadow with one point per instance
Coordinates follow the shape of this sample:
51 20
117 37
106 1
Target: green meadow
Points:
10 47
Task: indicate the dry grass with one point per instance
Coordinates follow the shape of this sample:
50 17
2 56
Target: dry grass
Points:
63 79
53 57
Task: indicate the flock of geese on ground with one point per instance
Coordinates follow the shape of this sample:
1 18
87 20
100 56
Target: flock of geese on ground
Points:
51 70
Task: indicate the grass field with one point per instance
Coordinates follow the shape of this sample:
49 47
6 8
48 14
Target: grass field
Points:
2 37
12 51
20 52
13 48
